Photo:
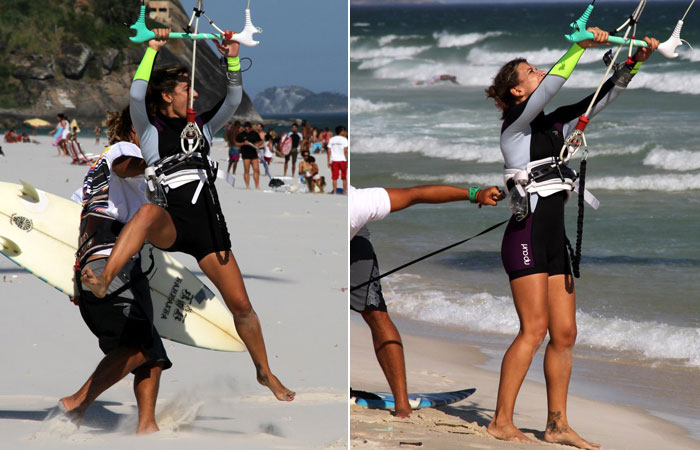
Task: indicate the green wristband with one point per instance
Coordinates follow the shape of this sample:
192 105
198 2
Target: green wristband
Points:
146 66
636 67
472 193
234 63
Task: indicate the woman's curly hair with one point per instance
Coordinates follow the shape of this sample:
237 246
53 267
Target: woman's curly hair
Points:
503 82
119 126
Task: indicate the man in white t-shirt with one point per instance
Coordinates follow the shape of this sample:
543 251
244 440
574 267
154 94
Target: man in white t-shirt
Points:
122 321
368 205
338 158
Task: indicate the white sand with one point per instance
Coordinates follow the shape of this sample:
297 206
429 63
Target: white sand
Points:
434 366
292 249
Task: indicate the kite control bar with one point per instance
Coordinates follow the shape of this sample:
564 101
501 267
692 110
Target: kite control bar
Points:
245 37
580 34
668 48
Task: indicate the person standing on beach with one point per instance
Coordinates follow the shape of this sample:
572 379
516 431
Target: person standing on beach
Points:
534 248
122 320
97 134
187 217
297 139
338 158
249 142
373 204
234 154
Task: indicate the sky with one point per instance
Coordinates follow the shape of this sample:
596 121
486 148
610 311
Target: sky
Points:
303 43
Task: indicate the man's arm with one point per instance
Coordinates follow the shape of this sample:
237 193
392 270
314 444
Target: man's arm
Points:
402 198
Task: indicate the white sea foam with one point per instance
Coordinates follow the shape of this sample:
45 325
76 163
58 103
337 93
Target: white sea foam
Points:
375 63
428 146
449 40
364 53
544 56
680 160
483 312
384 40
359 105
354 39
688 54
361 24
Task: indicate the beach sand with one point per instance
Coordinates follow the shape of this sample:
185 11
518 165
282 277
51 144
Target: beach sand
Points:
437 365
292 250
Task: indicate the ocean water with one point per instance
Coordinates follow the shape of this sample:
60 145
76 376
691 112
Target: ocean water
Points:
638 299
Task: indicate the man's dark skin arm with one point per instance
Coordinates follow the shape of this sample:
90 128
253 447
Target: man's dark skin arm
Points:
402 198
128 166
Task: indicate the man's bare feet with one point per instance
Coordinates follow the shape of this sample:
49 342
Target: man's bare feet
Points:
507 432
559 432
282 393
147 428
71 410
96 283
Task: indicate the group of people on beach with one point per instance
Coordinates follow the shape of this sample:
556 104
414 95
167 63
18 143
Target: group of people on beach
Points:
182 214
255 146
534 246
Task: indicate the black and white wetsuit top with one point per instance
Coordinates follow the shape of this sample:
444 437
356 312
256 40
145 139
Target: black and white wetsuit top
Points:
537 244
528 134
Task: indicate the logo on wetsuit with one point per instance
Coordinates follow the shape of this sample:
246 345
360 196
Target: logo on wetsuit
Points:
526 254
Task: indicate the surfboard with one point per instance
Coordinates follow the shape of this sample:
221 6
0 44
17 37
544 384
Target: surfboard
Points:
384 400
286 146
39 232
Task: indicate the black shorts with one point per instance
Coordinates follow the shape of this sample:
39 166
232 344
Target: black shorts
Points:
363 267
249 153
125 320
201 228
293 155
537 244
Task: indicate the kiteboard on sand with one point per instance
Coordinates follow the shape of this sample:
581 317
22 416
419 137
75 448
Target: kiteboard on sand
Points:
383 400
39 232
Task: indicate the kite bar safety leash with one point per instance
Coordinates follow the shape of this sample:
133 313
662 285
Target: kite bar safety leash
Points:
410 263
577 137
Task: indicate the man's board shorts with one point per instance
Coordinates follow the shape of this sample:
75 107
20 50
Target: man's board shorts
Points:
124 319
339 168
248 152
363 267
316 148
293 155
537 244
234 153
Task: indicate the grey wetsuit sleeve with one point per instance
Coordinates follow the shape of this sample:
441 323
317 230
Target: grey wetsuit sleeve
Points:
234 94
608 94
147 133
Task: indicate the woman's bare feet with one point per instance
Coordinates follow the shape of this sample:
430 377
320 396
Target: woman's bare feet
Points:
96 283
282 393
559 432
507 432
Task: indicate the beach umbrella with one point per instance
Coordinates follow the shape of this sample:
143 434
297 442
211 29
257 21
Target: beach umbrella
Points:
37 123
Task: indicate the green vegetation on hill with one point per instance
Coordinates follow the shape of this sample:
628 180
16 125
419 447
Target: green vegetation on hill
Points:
35 29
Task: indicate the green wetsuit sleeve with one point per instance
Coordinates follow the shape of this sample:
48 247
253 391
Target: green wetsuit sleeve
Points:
146 66
567 63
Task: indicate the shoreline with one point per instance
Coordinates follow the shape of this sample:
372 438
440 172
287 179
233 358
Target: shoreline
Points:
434 364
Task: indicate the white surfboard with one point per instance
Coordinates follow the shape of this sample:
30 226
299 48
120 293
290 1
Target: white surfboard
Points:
39 232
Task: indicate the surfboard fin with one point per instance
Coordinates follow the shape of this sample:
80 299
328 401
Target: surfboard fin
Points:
9 247
29 191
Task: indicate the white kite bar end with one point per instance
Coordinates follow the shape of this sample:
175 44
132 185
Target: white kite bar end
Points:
668 48
245 37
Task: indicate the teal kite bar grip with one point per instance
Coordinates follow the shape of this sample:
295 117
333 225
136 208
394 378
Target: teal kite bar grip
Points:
143 34
580 34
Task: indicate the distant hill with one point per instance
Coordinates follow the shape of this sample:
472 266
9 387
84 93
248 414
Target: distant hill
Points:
74 56
296 99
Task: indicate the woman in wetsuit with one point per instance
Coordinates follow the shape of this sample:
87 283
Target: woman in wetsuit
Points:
534 249
190 219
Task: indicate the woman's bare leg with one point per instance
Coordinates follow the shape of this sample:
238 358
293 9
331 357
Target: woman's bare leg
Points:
150 222
558 360
221 268
246 172
530 298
